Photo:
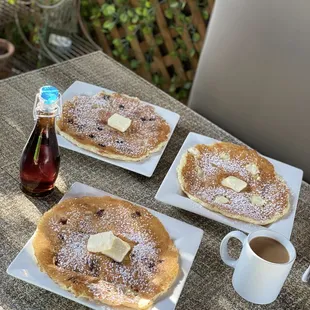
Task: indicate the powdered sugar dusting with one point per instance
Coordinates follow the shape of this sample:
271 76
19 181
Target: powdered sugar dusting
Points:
86 117
134 275
211 168
111 292
73 255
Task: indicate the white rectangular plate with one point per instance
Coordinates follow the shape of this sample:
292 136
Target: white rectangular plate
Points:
145 167
187 239
170 192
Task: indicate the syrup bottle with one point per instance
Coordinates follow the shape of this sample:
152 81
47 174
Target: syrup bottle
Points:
40 160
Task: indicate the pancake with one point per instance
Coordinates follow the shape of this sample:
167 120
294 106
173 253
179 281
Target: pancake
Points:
147 271
84 123
264 200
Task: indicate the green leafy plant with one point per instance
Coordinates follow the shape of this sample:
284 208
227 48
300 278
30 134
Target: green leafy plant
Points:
124 25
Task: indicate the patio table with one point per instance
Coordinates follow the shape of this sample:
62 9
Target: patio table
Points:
209 283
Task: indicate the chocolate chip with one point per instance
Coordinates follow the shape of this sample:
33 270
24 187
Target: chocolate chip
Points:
143 119
136 214
56 260
61 237
106 97
99 128
121 107
91 136
160 261
63 221
152 119
102 145
151 265
93 266
119 141
134 289
73 279
100 212
70 121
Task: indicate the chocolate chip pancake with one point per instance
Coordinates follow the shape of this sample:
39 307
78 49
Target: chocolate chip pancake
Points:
147 271
234 181
84 122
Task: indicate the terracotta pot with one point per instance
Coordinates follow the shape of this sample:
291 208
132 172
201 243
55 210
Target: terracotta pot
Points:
6 52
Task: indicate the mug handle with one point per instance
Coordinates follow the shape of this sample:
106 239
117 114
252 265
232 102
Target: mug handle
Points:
224 251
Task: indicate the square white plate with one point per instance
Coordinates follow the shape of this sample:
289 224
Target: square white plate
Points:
187 239
145 167
170 192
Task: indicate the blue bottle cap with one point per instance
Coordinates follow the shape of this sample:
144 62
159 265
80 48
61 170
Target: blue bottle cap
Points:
49 94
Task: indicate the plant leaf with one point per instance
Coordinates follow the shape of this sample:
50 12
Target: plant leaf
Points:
147 30
130 37
159 40
155 79
109 10
132 27
169 13
187 85
205 14
130 13
172 88
174 4
123 18
179 30
109 25
192 52
145 12
135 19
134 63
139 11
196 37
115 53
116 42
96 23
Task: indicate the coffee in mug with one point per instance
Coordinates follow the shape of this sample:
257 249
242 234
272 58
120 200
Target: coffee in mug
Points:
270 250
263 266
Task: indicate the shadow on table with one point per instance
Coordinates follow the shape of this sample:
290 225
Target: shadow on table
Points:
43 204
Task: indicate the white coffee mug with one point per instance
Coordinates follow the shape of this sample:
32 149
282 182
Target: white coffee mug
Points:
255 279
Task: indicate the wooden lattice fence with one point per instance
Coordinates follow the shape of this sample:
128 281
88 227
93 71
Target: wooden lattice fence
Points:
170 66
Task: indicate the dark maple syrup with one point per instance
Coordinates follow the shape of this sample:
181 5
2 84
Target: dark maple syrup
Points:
40 160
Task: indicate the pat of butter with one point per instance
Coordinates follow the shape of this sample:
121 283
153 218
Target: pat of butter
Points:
252 168
221 199
234 183
109 245
257 200
194 151
224 156
119 122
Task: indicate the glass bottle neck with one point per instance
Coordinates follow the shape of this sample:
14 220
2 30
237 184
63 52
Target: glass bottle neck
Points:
43 121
